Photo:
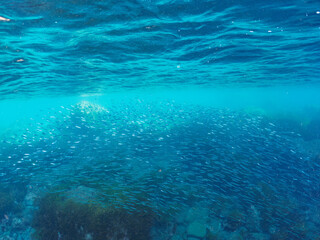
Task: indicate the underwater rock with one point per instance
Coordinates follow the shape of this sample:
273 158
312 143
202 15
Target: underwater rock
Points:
234 220
7 238
13 219
177 237
236 236
221 235
181 230
199 214
29 199
6 203
253 219
88 236
193 238
59 215
214 226
17 224
181 218
259 236
197 229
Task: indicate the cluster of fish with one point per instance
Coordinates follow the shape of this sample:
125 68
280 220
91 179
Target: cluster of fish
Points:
165 156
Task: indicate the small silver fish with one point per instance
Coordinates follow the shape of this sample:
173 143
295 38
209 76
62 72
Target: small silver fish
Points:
4 19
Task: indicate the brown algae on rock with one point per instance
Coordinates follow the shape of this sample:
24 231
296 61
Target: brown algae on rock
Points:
60 216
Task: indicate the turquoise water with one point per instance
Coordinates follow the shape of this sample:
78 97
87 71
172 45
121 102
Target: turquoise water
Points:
159 120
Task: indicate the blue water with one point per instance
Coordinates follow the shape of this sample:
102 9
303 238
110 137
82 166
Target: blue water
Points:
159 120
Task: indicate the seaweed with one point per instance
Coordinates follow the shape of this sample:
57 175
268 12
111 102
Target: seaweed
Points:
60 217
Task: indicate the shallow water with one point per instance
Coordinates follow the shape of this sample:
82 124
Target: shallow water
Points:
183 120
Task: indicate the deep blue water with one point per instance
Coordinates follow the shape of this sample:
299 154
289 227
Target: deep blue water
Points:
159 120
